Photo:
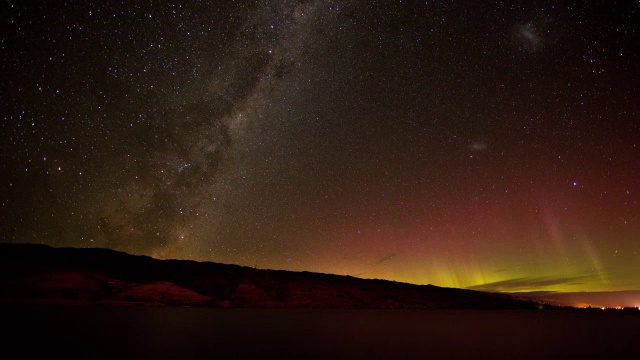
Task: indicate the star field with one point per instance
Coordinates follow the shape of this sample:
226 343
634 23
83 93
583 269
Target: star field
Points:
489 146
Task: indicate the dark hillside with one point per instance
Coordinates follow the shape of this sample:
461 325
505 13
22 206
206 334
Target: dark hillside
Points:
42 274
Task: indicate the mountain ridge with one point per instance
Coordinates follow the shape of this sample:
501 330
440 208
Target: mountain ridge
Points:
36 273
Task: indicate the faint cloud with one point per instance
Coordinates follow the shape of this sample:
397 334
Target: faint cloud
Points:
535 34
386 258
478 146
529 33
527 283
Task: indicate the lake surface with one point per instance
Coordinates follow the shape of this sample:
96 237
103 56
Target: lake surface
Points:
186 333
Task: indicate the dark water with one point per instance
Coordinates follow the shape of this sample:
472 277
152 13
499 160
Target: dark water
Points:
186 333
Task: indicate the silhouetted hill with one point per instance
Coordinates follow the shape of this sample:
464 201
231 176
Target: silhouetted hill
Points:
42 274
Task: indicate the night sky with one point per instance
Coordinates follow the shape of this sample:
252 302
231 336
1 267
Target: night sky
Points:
492 145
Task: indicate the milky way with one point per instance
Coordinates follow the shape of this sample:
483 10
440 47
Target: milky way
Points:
178 183
484 146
